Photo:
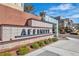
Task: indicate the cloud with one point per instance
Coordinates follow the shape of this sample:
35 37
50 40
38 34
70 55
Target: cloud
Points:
62 7
48 12
64 10
75 16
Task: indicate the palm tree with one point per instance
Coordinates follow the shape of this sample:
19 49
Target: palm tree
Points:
42 14
28 8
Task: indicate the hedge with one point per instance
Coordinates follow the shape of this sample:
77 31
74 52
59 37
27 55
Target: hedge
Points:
50 40
41 43
54 39
46 41
35 45
23 50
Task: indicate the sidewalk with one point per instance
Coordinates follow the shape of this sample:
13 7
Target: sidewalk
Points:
59 48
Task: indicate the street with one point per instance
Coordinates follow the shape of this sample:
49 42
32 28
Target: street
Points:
62 47
63 36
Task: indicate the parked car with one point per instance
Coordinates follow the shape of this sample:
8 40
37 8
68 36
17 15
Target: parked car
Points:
76 32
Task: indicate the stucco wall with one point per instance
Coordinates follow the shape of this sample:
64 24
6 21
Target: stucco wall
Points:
0 33
39 23
11 45
9 32
13 16
14 5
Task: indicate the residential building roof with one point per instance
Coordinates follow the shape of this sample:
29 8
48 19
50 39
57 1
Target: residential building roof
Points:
12 16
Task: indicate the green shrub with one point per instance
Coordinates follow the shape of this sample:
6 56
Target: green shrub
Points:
50 40
54 39
23 50
35 45
5 54
41 43
46 41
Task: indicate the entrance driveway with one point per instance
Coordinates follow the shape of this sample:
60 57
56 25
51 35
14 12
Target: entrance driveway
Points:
59 48
68 35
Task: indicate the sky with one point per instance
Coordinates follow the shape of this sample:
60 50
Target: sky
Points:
65 10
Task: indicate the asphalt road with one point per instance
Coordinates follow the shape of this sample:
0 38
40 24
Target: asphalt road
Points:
63 36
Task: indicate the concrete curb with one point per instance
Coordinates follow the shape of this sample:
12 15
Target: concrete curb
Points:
73 39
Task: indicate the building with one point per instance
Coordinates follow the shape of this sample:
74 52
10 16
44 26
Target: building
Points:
76 26
18 6
68 23
60 21
54 22
64 24
18 25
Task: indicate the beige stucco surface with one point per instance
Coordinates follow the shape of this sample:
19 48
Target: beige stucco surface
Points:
9 32
39 24
18 43
14 5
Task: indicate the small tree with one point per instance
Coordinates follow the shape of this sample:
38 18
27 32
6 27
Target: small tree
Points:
29 8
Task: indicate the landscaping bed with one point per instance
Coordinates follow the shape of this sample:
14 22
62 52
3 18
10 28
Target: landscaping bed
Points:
24 49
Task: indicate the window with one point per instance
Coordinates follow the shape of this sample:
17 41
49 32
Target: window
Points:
33 31
28 31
